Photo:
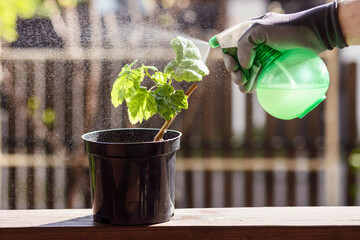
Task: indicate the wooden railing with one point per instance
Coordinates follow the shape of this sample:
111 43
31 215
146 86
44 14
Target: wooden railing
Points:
232 153
279 163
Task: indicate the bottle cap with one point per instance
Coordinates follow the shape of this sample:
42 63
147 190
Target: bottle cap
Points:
214 43
266 54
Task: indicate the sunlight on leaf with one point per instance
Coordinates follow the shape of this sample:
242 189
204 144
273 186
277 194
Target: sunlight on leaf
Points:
188 65
142 106
126 84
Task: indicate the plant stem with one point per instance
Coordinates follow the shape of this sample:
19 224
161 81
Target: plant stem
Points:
167 124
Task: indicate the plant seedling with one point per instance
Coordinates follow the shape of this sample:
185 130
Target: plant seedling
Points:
160 98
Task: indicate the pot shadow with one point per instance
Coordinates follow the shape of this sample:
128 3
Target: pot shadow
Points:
85 221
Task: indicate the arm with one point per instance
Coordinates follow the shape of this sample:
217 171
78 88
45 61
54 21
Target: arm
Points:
349 20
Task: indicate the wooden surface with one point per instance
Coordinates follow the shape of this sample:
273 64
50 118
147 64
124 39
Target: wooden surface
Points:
207 223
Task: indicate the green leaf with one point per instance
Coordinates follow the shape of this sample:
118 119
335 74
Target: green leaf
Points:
142 106
170 102
151 68
188 64
160 78
126 84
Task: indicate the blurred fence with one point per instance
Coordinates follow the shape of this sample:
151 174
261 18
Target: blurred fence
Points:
50 97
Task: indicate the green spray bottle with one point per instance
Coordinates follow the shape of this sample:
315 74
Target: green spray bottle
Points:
290 84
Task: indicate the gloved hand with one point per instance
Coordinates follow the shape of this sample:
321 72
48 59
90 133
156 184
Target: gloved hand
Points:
316 29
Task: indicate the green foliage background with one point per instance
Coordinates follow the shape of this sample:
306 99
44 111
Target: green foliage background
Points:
11 10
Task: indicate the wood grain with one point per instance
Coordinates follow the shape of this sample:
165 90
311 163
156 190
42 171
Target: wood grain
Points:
207 223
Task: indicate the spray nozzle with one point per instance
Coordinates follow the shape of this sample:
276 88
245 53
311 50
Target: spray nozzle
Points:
214 43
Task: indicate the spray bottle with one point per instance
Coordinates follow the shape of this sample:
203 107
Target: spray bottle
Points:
290 84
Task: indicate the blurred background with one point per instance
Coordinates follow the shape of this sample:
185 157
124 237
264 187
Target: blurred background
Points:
60 58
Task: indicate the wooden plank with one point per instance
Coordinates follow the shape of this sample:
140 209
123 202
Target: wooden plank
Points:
208 188
226 117
215 223
12 187
20 105
20 100
185 164
248 151
30 186
270 132
313 188
105 88
210 103
314 130
49 187
256 216
39 135
11 141
117 115
62 95
269 190
30 140
49 144
85 180
332 152
348 124
189 189
74 127
228 186
68 105
249 191
291 131
77 91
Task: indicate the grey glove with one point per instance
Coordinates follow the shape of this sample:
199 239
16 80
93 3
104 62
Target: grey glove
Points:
316 29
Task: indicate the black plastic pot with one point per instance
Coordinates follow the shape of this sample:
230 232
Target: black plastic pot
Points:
132 178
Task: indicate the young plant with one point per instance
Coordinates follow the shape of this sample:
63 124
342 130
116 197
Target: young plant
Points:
160 98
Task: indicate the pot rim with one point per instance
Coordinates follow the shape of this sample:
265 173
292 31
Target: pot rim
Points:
84 136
